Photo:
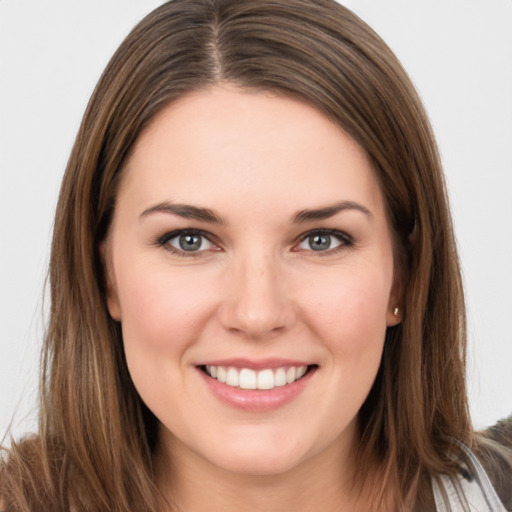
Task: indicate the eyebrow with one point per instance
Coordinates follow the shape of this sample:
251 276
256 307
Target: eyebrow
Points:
329 211
186 211
206 215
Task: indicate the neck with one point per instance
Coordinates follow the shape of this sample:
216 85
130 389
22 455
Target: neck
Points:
323 482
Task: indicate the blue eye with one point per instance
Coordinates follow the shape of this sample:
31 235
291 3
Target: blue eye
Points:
186 241
324 241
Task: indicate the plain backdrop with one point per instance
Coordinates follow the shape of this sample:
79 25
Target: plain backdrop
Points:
457 52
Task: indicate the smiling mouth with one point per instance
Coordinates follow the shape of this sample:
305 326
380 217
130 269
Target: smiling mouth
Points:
266 379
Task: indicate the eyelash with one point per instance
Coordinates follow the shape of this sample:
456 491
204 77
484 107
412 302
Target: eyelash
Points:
346 241
163 241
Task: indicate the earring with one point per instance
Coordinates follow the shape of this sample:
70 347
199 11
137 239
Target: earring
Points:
395 312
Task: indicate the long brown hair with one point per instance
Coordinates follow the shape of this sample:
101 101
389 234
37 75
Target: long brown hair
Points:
94 448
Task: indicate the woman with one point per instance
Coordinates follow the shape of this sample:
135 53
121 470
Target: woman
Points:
256 298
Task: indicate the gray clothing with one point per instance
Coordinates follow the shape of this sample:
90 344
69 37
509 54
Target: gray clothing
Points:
471 491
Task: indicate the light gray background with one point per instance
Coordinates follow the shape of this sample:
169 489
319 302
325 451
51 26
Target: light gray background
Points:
458 53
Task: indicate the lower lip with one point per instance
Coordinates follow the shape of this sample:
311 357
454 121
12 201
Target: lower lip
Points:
254 400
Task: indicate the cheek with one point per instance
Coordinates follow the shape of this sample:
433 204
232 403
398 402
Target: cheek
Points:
348 312
348 316
162 310
162 314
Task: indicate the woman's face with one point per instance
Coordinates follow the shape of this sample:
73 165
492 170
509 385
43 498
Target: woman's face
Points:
249 245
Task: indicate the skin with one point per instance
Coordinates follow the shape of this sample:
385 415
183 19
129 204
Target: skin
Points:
255 290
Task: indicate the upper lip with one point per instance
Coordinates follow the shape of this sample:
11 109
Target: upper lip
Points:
254 364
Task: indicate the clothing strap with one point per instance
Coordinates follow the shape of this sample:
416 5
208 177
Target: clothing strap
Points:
468 492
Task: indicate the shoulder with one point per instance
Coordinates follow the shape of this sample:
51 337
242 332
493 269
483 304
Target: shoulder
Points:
484 477
501 432
493 448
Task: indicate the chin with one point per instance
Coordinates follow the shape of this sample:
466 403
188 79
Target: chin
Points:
260 465
261 458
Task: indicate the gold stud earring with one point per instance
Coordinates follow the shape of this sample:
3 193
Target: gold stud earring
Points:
395 311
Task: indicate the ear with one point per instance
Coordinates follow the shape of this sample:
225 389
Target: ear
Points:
394 314
114 307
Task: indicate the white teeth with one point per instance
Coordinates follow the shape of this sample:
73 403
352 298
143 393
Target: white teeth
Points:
280 377
232 377
221 374
266 379
245 378
301 370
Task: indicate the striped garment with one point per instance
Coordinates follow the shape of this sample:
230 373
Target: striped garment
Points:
471 491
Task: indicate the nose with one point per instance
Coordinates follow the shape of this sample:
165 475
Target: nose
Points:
256 303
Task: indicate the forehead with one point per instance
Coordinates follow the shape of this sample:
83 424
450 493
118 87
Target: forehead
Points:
224 146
